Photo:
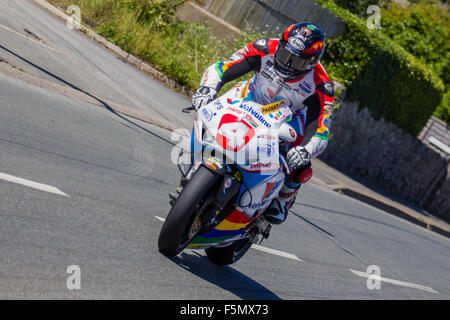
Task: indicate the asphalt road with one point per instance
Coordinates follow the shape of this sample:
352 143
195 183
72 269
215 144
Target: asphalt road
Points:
114 173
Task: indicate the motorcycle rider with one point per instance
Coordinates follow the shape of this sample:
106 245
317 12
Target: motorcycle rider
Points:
287 69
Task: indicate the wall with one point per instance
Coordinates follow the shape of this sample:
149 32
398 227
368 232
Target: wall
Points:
191 12
275 14
383 153
440 203
436 135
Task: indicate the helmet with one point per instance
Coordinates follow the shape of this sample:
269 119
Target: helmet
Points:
299 49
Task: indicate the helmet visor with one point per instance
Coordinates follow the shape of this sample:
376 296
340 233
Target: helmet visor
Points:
290 58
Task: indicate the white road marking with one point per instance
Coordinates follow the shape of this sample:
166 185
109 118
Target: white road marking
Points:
396 282
31 184
160 219
27 38
276 252
263 249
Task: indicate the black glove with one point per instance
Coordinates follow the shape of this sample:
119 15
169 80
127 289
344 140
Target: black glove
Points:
203 96
297 157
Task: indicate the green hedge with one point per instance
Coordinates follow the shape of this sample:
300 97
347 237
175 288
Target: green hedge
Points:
381 75
423 30
443 111
358 7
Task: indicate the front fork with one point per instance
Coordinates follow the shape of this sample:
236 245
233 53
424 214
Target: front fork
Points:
223 202
224 198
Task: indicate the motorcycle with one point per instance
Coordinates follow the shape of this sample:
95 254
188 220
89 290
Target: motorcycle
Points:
236 168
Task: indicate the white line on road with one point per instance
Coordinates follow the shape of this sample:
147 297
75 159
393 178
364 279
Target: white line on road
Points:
31 184
27 38
277 252
396 282
263 249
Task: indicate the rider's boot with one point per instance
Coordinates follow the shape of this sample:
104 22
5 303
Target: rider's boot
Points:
277 212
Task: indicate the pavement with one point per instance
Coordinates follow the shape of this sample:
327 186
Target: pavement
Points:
82 183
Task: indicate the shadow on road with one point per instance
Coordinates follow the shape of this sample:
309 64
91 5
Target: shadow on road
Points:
312 224
224 277
392 210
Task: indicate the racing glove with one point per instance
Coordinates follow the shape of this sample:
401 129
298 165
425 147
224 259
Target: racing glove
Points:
203 96
297 157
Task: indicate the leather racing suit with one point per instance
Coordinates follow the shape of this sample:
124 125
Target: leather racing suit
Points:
309 97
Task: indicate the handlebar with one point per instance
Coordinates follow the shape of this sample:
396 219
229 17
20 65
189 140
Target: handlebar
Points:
283 160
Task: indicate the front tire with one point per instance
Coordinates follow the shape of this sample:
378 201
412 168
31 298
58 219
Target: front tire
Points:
229 254
176 231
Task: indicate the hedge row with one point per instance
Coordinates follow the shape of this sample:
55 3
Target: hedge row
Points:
381 75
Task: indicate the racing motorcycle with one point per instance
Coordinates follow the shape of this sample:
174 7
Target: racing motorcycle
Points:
234 169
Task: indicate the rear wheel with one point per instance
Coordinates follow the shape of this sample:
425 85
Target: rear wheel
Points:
184 219
229 254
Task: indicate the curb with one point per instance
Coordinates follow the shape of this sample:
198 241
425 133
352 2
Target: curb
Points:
125 56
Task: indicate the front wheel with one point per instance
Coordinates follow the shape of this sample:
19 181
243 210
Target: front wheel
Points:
183 220
229 254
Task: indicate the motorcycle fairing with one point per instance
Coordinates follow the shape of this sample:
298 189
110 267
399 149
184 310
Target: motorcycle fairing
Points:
233 114
230 229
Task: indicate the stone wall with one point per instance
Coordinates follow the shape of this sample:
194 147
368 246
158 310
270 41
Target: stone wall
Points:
436 135
273 14
191 12
440 203
382 153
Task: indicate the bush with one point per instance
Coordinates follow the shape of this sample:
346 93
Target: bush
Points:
424 31
381 75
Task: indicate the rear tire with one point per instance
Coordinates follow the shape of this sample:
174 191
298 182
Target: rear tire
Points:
229 254
173 237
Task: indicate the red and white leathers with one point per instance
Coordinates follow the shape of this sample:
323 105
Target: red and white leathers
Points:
310 95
